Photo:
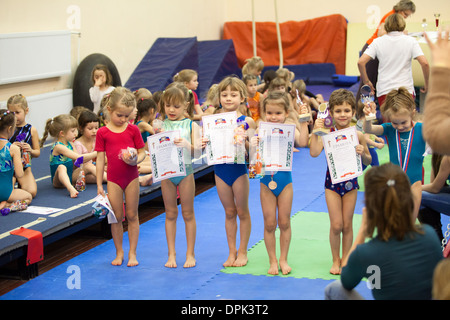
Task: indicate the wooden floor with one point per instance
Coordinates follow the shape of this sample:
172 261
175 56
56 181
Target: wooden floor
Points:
78 243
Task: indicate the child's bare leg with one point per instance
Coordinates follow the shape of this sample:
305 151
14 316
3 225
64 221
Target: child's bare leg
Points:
227 199
284 223
62 179
169 193
241 191
27 182
334 204
416 190
269 206
348 210
132 202
187 194
115 196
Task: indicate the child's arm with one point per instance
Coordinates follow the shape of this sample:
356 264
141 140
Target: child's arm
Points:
372 143
438 181
316 145
34 150
363 150
368 127
302 135
61 149
144 126
17 160
99 167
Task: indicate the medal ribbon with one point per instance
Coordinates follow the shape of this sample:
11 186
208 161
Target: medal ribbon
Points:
404 163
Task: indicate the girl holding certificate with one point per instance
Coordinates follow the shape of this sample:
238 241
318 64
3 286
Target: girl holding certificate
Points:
177 101
276 187
232 179
340 197
404 136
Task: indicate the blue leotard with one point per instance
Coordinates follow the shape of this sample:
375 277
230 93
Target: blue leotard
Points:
282 178
229 172
6 172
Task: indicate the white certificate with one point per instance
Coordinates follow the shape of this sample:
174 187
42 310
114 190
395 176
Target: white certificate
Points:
276 145
220 129
343 161
166 158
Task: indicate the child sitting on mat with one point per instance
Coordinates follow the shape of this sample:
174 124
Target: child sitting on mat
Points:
64 129
11 199
27 139
88 124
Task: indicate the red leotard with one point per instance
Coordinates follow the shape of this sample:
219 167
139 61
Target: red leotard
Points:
111 143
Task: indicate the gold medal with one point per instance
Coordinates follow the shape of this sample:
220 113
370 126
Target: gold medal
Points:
272 185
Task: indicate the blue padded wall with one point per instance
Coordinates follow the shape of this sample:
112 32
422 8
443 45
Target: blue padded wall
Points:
165 58
217 59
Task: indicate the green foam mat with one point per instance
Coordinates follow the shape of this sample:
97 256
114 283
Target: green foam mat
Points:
309 252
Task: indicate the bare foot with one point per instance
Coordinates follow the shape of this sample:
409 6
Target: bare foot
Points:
118 260
3 204
73 192
190 262
132 261
171 262
230 261
273 268
285 268
241 260
336 268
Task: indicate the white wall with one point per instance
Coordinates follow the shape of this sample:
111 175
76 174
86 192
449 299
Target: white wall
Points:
125 30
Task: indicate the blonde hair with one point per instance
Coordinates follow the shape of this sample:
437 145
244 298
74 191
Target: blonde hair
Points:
213 95
299 85
177 93
398 100
235 84
278 98
285 74
120 95
253 63
277 82
53 126
441 280
185 75
395 22
18 99
142 93
404 5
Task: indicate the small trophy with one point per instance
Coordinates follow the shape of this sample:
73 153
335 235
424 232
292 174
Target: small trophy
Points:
366 98
436 19
302 117
327 121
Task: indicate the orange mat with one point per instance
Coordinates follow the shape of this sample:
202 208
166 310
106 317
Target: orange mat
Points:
319 40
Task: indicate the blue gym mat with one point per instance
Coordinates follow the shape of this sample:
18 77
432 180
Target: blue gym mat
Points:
150 280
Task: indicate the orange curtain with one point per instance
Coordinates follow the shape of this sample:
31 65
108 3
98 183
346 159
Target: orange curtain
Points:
319 40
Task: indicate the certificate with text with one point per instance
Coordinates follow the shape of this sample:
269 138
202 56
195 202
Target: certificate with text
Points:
166 158
220 131
343 161
276 145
